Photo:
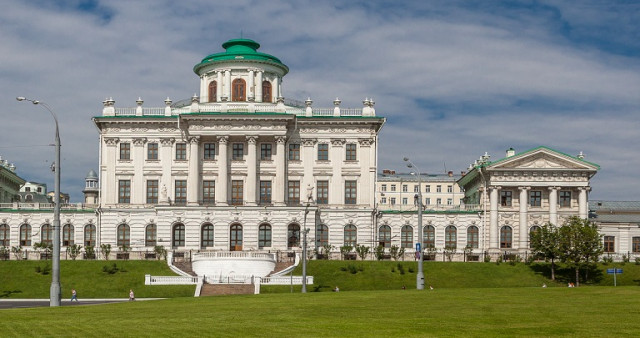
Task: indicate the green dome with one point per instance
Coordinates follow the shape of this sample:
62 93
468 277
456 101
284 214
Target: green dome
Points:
240 50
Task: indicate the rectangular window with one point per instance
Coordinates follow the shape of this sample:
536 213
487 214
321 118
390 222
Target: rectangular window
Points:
393 187
438 201
293 192
124 191
427 201
393 200
449 188
609 244
322 193
323 152
237 190
427 188
383 200
384 187
210 151
237 152
635 244
350 192
449 201
350 149
152 151
294 152
416 188
505 198
535 198
181 192
208 192
265 192
125 151
405 201
181 151
405 188
152 192
438 188
565 199
265 151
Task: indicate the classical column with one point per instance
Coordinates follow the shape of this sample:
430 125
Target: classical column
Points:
278 87
227 84
252 170
166 161
308 160
553 205
493 218
223 171
259 86
193 179
110 186
366 188
138 192
251 87
336 186
583 205
218 86
524 226
279 184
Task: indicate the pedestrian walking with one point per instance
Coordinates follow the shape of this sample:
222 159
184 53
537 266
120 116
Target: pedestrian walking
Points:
131 295
74 295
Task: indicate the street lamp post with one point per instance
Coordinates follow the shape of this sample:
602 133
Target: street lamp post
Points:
420 275
304 242
54 292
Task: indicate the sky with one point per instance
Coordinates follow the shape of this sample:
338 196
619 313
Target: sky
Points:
454 79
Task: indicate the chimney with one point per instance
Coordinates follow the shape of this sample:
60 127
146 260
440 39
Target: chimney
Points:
581 156
450 173
510 152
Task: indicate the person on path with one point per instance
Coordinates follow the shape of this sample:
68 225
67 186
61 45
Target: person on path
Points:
74 295
131 295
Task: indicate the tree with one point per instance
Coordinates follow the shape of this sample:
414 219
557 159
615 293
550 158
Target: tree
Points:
345 250
362 251
545 243
74 251
580 244
106 250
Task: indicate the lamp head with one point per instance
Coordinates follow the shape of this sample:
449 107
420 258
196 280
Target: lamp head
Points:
405 159
21 98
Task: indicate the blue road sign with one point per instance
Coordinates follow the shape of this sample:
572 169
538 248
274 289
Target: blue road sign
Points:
614 271
417 246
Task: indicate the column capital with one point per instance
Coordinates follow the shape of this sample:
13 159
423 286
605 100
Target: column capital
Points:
223 139
138 141
252 139
167 141
584 188
194 139
553 188
309 142
365 142
524 188
338 142
495 187
111 141
281 139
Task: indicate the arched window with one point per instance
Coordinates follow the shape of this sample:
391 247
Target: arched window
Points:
350 235
322 235
236 237
293 235
533 230
450 237
429 237
90 235
266 91
213 91
472 237
206 236
123 237
178 235
67 235
384 236
505 237
4 235
46 234
264 236
25 235
28 198
406 237
151 235
239 90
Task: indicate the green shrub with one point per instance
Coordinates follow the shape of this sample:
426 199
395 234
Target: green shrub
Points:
607 259
89 252
379 252
111 269
637 260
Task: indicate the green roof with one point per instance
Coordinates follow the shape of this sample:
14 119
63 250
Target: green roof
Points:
240 50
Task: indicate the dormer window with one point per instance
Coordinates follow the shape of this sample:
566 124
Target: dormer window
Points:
213 89
239 90
266 91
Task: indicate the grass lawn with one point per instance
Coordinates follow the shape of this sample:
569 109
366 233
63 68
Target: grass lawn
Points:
449 312
19 279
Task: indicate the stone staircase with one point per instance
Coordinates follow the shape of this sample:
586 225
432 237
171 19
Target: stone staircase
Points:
226 289
185 266
281 266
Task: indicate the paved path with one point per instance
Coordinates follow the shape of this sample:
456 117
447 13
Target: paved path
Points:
26 303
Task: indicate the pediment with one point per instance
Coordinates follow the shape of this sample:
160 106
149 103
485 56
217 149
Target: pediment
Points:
540 159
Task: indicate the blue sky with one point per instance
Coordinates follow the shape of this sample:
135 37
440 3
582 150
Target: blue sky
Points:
453 78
